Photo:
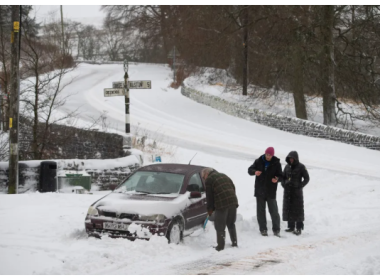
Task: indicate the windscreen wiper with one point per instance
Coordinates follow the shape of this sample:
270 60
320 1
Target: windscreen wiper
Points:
143 192
162 193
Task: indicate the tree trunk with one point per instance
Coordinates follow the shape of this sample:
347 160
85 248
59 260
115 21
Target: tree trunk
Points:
35 149
297 81
245 50
327 66
164 30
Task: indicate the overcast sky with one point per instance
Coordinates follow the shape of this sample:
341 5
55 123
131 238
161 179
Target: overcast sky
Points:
87 14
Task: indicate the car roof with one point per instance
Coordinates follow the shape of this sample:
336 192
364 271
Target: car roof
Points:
172 168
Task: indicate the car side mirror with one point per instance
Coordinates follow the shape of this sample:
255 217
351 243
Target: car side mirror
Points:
195 195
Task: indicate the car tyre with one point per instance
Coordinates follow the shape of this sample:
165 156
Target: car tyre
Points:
175 232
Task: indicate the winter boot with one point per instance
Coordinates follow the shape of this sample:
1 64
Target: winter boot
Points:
277 233
220 236
233 236
264 232
289 230
297 232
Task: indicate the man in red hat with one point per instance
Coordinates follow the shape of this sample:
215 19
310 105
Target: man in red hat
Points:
268 172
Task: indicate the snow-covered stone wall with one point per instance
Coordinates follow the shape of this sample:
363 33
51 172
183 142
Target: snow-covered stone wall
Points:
289 124
103 172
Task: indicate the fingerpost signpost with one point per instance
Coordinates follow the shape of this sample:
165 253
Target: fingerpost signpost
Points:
122 88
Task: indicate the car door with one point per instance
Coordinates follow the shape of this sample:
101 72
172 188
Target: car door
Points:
196 212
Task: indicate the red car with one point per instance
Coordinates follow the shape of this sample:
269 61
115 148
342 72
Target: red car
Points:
164 199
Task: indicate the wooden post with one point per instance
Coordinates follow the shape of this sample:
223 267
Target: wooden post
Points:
14 96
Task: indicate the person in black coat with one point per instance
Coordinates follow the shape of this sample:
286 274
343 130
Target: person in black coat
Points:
267 169
295 178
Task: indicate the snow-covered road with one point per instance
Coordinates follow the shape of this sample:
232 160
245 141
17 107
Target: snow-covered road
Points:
165 114
44 233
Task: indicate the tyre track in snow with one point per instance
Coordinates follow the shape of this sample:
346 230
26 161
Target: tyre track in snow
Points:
302 258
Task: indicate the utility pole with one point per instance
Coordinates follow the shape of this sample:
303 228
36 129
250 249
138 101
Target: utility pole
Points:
63 34
14 100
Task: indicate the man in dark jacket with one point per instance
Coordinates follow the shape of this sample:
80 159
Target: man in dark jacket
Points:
295 177
267 169
221 198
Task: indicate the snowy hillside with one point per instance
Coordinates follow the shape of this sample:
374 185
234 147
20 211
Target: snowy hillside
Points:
44 233
217 83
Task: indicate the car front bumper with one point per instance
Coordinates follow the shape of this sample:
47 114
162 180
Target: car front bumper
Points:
95 227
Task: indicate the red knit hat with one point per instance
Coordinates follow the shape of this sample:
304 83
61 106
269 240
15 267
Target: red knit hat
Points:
270 151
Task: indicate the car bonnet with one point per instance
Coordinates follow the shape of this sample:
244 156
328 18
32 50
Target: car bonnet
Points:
143 204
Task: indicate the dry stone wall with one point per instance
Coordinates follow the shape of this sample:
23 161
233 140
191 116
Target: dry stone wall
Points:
289 124
66 142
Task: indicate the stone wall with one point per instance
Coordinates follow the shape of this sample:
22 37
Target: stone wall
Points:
65 142
289 124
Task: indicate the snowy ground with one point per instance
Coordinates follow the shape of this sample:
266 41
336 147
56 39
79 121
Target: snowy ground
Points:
44 233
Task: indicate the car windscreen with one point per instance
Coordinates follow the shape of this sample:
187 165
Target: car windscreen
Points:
152 183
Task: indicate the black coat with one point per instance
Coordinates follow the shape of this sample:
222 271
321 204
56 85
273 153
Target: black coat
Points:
295 177
263 183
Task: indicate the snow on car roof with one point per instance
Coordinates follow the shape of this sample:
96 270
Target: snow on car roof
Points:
172 168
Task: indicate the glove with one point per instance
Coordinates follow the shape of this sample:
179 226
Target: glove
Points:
210 212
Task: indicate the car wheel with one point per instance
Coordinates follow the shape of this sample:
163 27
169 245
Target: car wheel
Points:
174 234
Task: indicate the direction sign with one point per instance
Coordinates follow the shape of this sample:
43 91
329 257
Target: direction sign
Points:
134 84
109 92
118 84
140 84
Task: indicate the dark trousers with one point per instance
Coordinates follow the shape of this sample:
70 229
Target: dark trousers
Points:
225 217
292 225
261 213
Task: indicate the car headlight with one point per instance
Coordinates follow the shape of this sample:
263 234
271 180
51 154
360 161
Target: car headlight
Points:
92 211
156 218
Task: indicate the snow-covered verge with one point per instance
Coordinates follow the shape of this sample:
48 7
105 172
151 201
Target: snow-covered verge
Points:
216 82
45 233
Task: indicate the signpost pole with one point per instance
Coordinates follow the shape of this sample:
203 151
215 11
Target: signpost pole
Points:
128 141
121 88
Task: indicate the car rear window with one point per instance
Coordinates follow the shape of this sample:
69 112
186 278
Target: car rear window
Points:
152 183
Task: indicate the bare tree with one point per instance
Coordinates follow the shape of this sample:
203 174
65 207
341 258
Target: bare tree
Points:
88 46
4 146
114 38
43 63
